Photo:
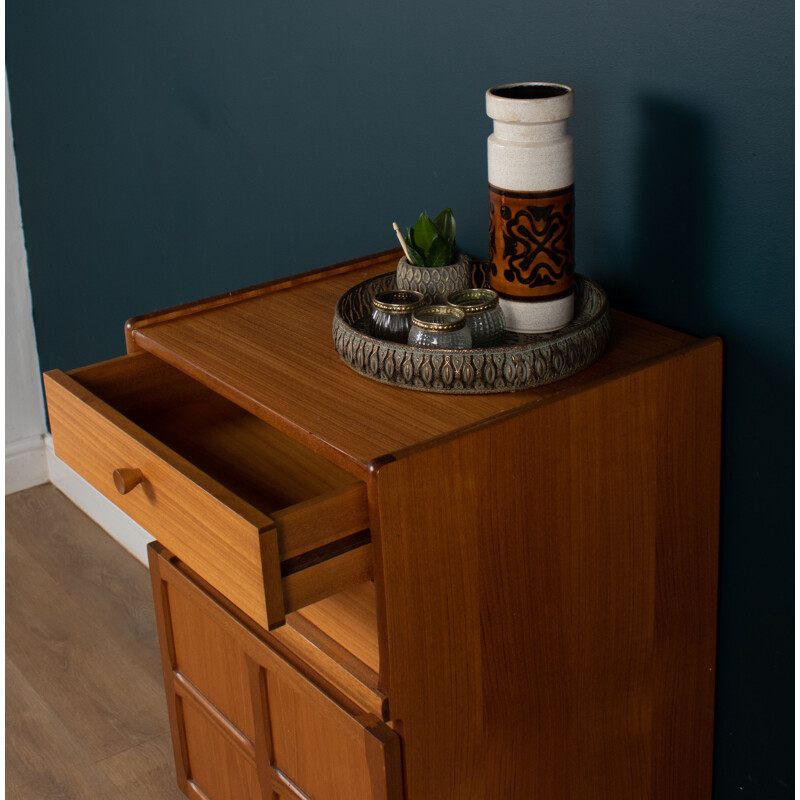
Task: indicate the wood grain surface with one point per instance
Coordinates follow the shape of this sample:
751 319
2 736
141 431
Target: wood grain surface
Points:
85 712
550 592
208 476
250 458
136 324
349 619
272 353
329 651
214 531
542 621
245 720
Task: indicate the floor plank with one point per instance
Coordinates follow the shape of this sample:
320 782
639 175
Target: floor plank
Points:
34 767
92 569
143 770
85 708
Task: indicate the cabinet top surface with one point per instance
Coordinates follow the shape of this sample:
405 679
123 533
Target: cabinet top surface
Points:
270 350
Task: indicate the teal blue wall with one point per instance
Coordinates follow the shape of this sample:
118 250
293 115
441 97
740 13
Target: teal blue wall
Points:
168 150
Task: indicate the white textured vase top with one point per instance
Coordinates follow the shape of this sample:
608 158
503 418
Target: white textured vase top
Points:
530 149
529 103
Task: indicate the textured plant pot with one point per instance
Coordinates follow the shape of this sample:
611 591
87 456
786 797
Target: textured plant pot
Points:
531 205
435 283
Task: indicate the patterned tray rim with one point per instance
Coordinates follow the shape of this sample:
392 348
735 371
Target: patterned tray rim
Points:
596 327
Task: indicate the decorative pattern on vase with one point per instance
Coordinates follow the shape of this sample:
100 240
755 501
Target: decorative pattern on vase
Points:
531 243
522 362
434 282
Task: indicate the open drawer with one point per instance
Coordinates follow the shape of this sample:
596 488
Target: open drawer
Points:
273 526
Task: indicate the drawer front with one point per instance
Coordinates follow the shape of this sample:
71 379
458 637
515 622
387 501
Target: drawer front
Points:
225 684
266 566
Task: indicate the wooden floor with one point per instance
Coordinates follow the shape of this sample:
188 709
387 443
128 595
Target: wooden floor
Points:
85 709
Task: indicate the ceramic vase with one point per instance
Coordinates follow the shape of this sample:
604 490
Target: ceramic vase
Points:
531 205
435 283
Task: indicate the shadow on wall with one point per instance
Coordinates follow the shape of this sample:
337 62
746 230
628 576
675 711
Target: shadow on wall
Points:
672 244
673 198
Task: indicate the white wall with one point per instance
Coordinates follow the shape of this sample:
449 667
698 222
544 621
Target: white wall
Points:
26 464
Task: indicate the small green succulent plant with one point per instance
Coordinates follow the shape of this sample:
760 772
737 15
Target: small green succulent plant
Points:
431 242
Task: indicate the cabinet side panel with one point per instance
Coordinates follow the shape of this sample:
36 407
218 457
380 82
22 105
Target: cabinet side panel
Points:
551 595
687 558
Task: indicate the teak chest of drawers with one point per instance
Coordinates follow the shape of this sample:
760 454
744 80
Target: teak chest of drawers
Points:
368 592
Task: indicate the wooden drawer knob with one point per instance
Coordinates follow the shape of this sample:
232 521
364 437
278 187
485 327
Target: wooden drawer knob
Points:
126 479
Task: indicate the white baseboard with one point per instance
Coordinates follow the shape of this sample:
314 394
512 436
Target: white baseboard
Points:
26 464
117 524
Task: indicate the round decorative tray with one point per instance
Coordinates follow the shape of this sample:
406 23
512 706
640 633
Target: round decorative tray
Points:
522 361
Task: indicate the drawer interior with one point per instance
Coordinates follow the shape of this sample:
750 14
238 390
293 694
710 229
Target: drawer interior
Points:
270 524
263 466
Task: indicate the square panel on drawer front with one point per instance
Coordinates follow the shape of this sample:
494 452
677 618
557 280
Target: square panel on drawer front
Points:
211 660
230 691
218 768
315 744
